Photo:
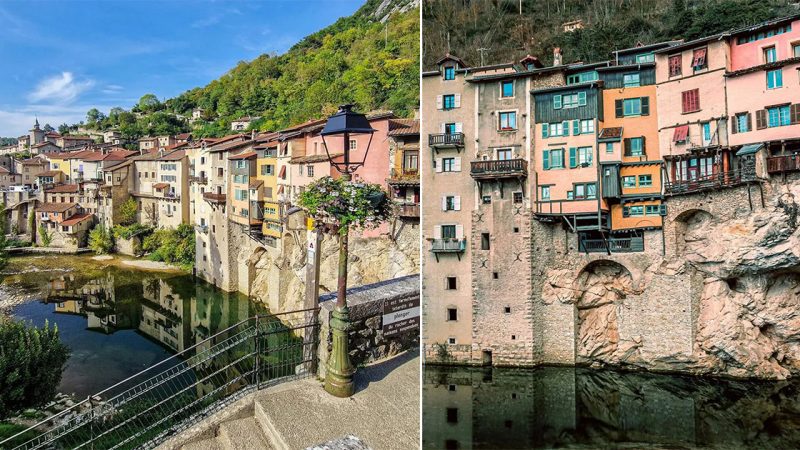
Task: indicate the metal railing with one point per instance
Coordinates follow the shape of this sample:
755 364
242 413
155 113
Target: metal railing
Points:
614 245
146 409
706 182
449 245
784 163
499 168
446 139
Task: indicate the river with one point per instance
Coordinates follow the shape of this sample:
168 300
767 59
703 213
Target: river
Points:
494 408
116 320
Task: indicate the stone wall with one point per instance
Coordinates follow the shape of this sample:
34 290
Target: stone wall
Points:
367 342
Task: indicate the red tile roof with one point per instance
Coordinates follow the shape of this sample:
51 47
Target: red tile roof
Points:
245 155
610 133
161 185
64 189
177 155
403 127
49 173
55 207
77 218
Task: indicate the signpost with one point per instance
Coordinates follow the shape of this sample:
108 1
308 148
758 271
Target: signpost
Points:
400 316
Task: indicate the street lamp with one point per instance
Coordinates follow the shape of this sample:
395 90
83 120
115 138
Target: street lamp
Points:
339 376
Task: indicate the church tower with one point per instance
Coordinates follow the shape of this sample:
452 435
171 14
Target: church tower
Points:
36 134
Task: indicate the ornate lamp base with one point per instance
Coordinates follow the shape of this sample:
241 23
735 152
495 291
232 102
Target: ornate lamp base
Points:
339 377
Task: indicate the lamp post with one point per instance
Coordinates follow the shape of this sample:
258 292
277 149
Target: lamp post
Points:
339 376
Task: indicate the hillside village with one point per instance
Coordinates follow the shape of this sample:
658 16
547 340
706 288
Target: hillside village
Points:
237 192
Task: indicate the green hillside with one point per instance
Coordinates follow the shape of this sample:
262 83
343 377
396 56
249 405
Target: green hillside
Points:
359 59
498 26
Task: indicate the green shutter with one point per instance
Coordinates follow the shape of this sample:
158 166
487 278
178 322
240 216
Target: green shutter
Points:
626 211
545 130
565 128
573 157
557 101
576 127
581 98
546 160
645 106
618 108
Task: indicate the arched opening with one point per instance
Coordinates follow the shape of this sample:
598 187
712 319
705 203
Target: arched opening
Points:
251 267
599 289
689 230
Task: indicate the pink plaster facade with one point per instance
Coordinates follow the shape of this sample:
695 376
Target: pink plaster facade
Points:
750 54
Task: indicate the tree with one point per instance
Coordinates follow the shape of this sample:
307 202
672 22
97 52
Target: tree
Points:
63 128
48 128
47 238
148 103
128 211
100 240
31 363
94 116
3 240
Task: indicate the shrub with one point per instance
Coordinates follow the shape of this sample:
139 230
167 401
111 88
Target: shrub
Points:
31 362
47 238
100 239
172 246
127 212
129 231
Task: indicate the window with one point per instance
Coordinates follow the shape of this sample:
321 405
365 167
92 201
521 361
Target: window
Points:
556 129
796 50
632 107
587 126
690 101
584 156
353 144
503 154
742 123
240 194
770 55
452 415
241 164
485 244
450 73
452 314
645 180
450 203
553 159
451 283
778 116
451 341
268 169
699 59
545 193
630 80
507 89
411 160
486 199
449 101
584 191
448 231
517 197
652 210
508 120
629 182
636 211
646 58
705 127
448 164
572 100
310 170
450 128
609 147
774 78
634 146
582 77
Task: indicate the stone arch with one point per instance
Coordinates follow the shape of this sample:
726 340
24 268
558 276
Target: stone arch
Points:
686 224
251 266
598 290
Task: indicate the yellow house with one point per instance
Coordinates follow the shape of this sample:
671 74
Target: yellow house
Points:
61 163
266 172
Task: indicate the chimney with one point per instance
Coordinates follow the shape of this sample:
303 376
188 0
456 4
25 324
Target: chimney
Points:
557 56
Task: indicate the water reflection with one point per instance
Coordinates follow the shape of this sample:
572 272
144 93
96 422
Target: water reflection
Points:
581 408
118 321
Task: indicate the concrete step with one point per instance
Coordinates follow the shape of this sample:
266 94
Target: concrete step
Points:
244 434
204 444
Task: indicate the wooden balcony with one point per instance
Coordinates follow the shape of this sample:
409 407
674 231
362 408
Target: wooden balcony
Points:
214 198
446 140
709 182
497 169
408 211
785 163
611 245
198 180
448 246
404 177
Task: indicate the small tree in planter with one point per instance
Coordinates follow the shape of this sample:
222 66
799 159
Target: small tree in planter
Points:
337 206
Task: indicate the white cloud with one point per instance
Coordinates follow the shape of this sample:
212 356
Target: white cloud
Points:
112 89
16 121
59 89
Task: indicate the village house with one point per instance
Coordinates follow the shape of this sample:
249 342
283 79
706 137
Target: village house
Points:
243 123
44 148
29 169
266 173
65 224
147 144
8 178
117 181
161 188
404 167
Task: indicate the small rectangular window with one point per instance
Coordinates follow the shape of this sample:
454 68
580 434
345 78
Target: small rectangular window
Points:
629 182
652 210
449 101
517 197
545 193
451 283
450 73
451 341
353 144
485 241
645 180
452 415
774 79
770 55
508 121
630 80
609 147
507 89
636 211
632 106
452 315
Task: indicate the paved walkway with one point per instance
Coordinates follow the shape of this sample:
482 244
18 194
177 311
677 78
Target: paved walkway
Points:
384 413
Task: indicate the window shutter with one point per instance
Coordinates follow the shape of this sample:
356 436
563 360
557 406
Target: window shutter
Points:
645 106
618 108
685 101
546 160
627 142
761 119
626 211
749 122
573 157
459 231
662 209
696 98
734 125
437 164
565 128
444 203
457 164
794 113
459 127
581 98
443 128
644 145
457 203
545 130
438 102
457 102
576 127
557 101
437 232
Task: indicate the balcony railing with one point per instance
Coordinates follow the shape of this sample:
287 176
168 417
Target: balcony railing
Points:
449 245
214 198
198 180
785 163
614 245
446 140
708 182
404 176
507 168
201 228
408 210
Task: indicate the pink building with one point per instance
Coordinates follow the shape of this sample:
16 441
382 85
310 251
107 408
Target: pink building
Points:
763 88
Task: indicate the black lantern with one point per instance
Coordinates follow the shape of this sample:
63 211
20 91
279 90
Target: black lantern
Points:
345 123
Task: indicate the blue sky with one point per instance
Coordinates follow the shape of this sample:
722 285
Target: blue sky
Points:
60 58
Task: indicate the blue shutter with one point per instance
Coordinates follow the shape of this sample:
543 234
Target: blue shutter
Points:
565 128
576 127
557 101
626 211
546 160
581 98
545 130
573 157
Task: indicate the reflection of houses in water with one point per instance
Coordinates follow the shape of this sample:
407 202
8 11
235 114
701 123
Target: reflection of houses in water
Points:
95 299
164 315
